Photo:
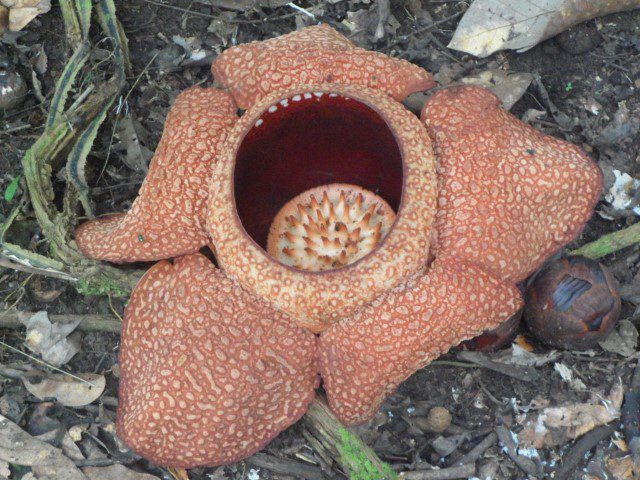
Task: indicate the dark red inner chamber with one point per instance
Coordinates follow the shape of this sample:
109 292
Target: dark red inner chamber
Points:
309 143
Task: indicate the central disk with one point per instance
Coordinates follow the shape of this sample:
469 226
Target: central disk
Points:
329 227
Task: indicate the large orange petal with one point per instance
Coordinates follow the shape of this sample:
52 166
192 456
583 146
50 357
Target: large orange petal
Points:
509 195
167 218
312 56
209 373
364 359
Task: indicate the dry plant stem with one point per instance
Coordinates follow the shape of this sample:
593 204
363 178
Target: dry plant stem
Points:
356 459
73 129
11 320
610 243
6 263
631 413
479 449
54 224
573 458
525 374
450 473
76 16
37 170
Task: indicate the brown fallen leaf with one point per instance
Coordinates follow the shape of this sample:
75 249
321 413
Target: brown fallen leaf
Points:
554 426
507 86
19 448
622 340
179 473
54 342
624 468
492 25
21 12
67 390
135 156
67 445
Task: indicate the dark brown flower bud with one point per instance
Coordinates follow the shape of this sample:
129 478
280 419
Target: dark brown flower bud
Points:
572 303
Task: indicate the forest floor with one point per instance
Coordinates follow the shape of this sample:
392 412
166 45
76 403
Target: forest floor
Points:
171 48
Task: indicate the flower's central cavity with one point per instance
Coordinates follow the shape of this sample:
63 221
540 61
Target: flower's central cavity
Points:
309 140
329 227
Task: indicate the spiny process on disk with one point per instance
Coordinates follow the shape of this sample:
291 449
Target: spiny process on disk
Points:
343 227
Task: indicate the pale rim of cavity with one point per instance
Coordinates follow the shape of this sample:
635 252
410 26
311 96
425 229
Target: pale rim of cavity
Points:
329 227
284 103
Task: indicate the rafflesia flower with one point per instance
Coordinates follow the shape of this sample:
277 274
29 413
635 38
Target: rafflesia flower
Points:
353 241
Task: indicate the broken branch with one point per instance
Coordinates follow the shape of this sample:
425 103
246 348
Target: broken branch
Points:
610 243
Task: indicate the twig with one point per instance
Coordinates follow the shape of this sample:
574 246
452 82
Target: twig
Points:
450 473
5 262
472 455
571 460
285 466
404 38
301 10
42 362
15 129
117 119
490 395
451 363
11 319
526 374
562 119
9 372
511 449
631 412
610 243
183 10
95 462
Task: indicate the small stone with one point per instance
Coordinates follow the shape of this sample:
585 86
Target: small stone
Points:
76 431
580 39
169 58
12 87
438 420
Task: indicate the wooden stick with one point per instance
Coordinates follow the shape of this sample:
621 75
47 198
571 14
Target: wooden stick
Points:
475 452
450 473
610 243
525 374
12 320
345 447
525 464
631 413
572 459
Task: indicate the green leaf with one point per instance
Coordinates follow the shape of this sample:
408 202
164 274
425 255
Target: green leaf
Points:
10 192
